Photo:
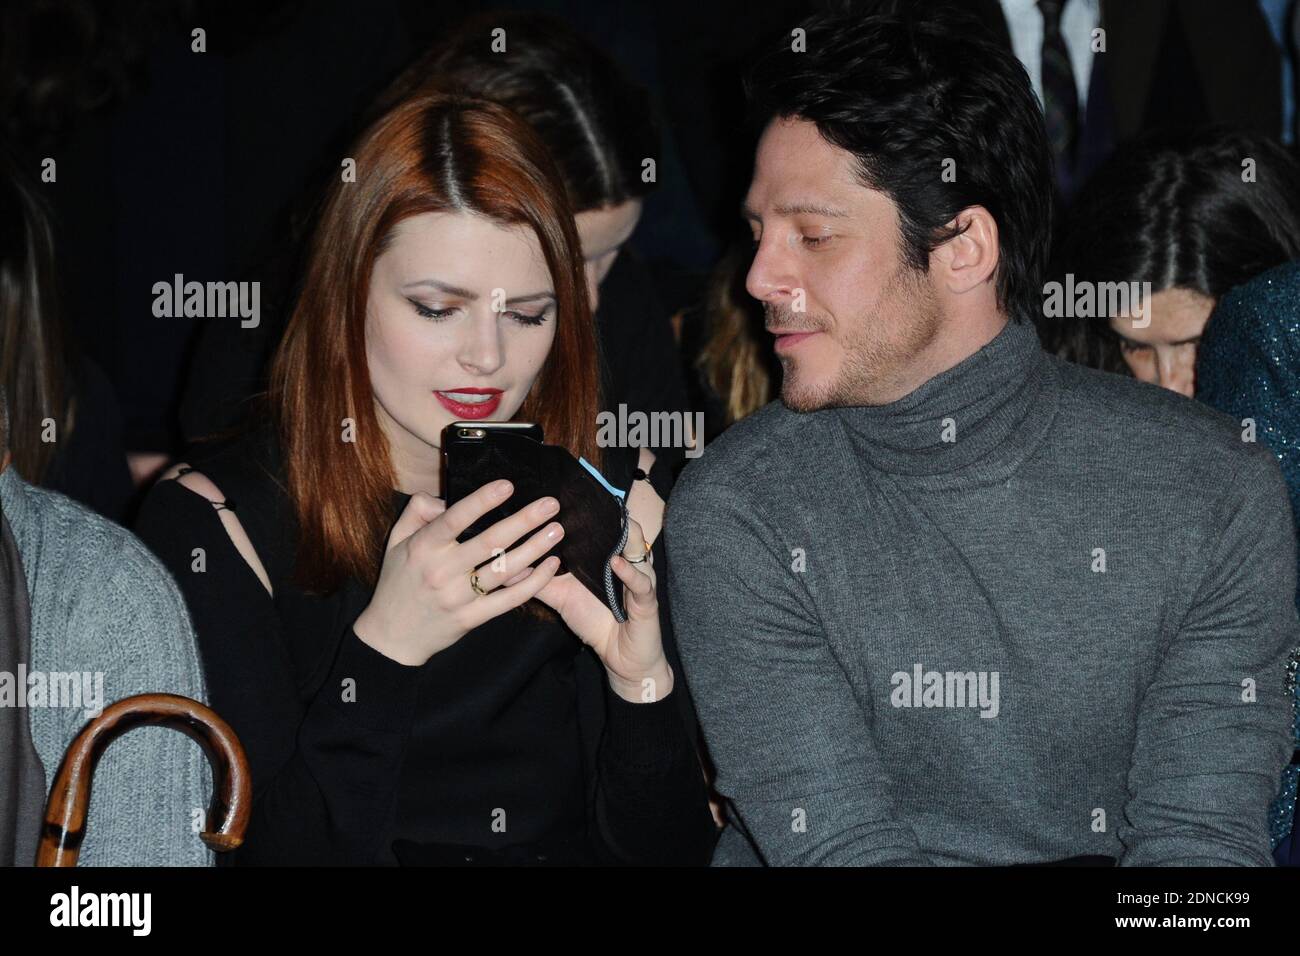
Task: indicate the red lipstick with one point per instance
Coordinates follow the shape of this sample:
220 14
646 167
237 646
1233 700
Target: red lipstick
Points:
470 409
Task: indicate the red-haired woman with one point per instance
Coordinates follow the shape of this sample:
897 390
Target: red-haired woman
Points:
392 711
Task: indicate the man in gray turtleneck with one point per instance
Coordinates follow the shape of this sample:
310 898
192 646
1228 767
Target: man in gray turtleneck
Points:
953 600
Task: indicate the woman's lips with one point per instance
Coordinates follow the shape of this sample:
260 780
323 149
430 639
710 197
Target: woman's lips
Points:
470 410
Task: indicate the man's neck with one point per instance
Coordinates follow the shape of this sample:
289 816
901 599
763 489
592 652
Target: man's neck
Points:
976 418
958 339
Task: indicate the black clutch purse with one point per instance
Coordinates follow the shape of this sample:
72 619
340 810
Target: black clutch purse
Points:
594 516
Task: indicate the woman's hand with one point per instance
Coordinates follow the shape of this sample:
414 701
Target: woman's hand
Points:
632 652
424 601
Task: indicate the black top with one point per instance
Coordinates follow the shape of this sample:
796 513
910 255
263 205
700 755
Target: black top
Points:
89 463
508 746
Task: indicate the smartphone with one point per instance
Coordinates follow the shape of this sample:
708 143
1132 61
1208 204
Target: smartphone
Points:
470 432
593 513
476 453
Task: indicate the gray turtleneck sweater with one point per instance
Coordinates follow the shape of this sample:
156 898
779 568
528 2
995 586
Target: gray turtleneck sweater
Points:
107 622
1029 611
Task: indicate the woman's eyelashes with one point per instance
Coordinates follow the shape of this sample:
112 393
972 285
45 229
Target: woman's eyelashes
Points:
424 312
527 318
437 315
1128 345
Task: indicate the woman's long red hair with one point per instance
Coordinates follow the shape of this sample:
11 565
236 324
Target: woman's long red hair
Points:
434 153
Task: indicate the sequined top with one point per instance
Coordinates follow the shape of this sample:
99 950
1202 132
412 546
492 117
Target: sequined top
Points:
1248 365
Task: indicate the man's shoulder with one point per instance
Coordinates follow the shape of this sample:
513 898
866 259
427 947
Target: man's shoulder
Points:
89 575
90 553
762 451
1149 427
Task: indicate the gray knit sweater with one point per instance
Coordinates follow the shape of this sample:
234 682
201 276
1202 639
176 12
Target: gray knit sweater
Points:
1030 611
102 604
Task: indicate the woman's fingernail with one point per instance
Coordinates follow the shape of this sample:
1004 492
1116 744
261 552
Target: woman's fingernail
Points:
550 506
502 488
554 531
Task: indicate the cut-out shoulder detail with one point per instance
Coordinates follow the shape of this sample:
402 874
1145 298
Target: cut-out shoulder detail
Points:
201 484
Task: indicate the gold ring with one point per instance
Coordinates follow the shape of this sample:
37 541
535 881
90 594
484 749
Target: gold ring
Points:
473 582
641 560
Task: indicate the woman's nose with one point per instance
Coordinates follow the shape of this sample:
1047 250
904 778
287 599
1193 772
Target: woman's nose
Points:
482 351
1177 369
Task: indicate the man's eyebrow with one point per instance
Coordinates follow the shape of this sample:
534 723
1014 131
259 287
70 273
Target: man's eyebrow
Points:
469 296
797 209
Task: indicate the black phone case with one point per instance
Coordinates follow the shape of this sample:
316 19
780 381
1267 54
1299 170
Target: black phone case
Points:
595 521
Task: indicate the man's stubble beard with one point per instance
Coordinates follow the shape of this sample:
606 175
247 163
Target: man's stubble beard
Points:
871 365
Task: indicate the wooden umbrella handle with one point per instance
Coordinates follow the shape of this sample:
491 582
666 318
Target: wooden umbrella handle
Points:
65 812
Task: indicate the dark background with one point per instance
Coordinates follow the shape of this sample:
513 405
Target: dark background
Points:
171 161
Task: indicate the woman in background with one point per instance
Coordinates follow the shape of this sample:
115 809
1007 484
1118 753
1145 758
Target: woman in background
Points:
1192 213
731 368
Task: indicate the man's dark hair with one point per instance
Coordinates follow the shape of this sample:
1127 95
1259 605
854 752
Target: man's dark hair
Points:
903 90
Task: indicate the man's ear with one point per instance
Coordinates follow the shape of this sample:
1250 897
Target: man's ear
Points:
971 258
